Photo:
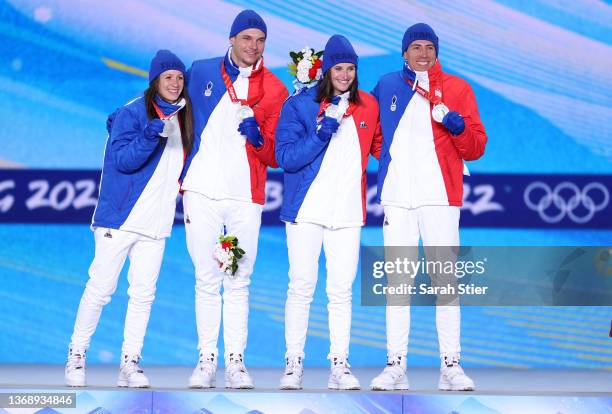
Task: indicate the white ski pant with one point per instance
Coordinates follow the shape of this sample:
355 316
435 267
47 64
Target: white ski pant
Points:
204 221
112 248
436 226
341 246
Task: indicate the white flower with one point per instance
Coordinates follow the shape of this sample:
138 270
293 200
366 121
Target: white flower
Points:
303 67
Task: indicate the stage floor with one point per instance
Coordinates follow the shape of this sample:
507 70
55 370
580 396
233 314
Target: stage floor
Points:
422 380
499 391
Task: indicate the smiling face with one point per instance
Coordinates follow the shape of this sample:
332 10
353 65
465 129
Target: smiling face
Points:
170 85
420 55
247 47
342 77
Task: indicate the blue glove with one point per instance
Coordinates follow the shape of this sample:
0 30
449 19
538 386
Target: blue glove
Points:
154 128
249 128
454 123
327 128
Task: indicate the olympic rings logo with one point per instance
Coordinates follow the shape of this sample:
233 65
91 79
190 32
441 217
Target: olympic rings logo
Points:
579 198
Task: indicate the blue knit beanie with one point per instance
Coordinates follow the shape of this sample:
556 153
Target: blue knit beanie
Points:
248 19
338 50
419 31
164 60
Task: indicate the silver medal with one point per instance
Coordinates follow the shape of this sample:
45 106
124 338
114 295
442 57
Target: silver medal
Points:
332 111
244 112
438 112
169 128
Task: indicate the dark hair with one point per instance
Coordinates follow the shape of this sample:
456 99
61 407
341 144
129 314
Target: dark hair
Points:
325 89
185 114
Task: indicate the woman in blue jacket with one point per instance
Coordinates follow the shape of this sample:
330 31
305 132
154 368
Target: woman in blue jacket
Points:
323 140
148 141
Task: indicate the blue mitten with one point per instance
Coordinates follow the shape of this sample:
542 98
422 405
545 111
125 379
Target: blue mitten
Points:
249 128
154 128
454 123
327 128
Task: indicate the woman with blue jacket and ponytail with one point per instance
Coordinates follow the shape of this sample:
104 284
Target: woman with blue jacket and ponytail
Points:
323 140
148 141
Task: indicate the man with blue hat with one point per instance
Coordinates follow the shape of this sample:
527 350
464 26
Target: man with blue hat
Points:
236 105
430 125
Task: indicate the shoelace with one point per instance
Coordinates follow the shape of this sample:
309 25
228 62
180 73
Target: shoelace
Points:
236 366
76 359
453 367
342 364
394 360
131 365
207 363
292 365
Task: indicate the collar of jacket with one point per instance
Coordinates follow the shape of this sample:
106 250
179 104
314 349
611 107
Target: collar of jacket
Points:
433 73
166 107
234 70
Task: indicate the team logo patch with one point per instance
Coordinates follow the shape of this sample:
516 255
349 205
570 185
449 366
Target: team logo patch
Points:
393 106
208 90
363 124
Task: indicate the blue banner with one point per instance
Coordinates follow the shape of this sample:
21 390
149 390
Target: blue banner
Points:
490 200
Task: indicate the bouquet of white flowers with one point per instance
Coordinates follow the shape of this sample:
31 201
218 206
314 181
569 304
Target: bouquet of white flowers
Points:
306 66
227 253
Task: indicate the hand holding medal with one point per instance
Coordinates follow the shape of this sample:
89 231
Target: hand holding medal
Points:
169 128
249 127
333 111
454 122
438 112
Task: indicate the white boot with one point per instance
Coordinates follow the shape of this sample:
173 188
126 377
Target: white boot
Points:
204 374
130 374
341 377
74 375
294 370
236 374
452 377
393 376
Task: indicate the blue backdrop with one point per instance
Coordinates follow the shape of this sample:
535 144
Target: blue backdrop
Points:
541 74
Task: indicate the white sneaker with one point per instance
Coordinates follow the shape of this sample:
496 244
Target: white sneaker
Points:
236 374
294 371
341 377
393 376
74 374
204 374
452 377
130 374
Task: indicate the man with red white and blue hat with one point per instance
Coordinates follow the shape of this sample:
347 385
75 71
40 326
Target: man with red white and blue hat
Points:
430 125
236 105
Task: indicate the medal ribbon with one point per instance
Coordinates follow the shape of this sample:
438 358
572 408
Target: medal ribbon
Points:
325 104
161 115
255 88
435 100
